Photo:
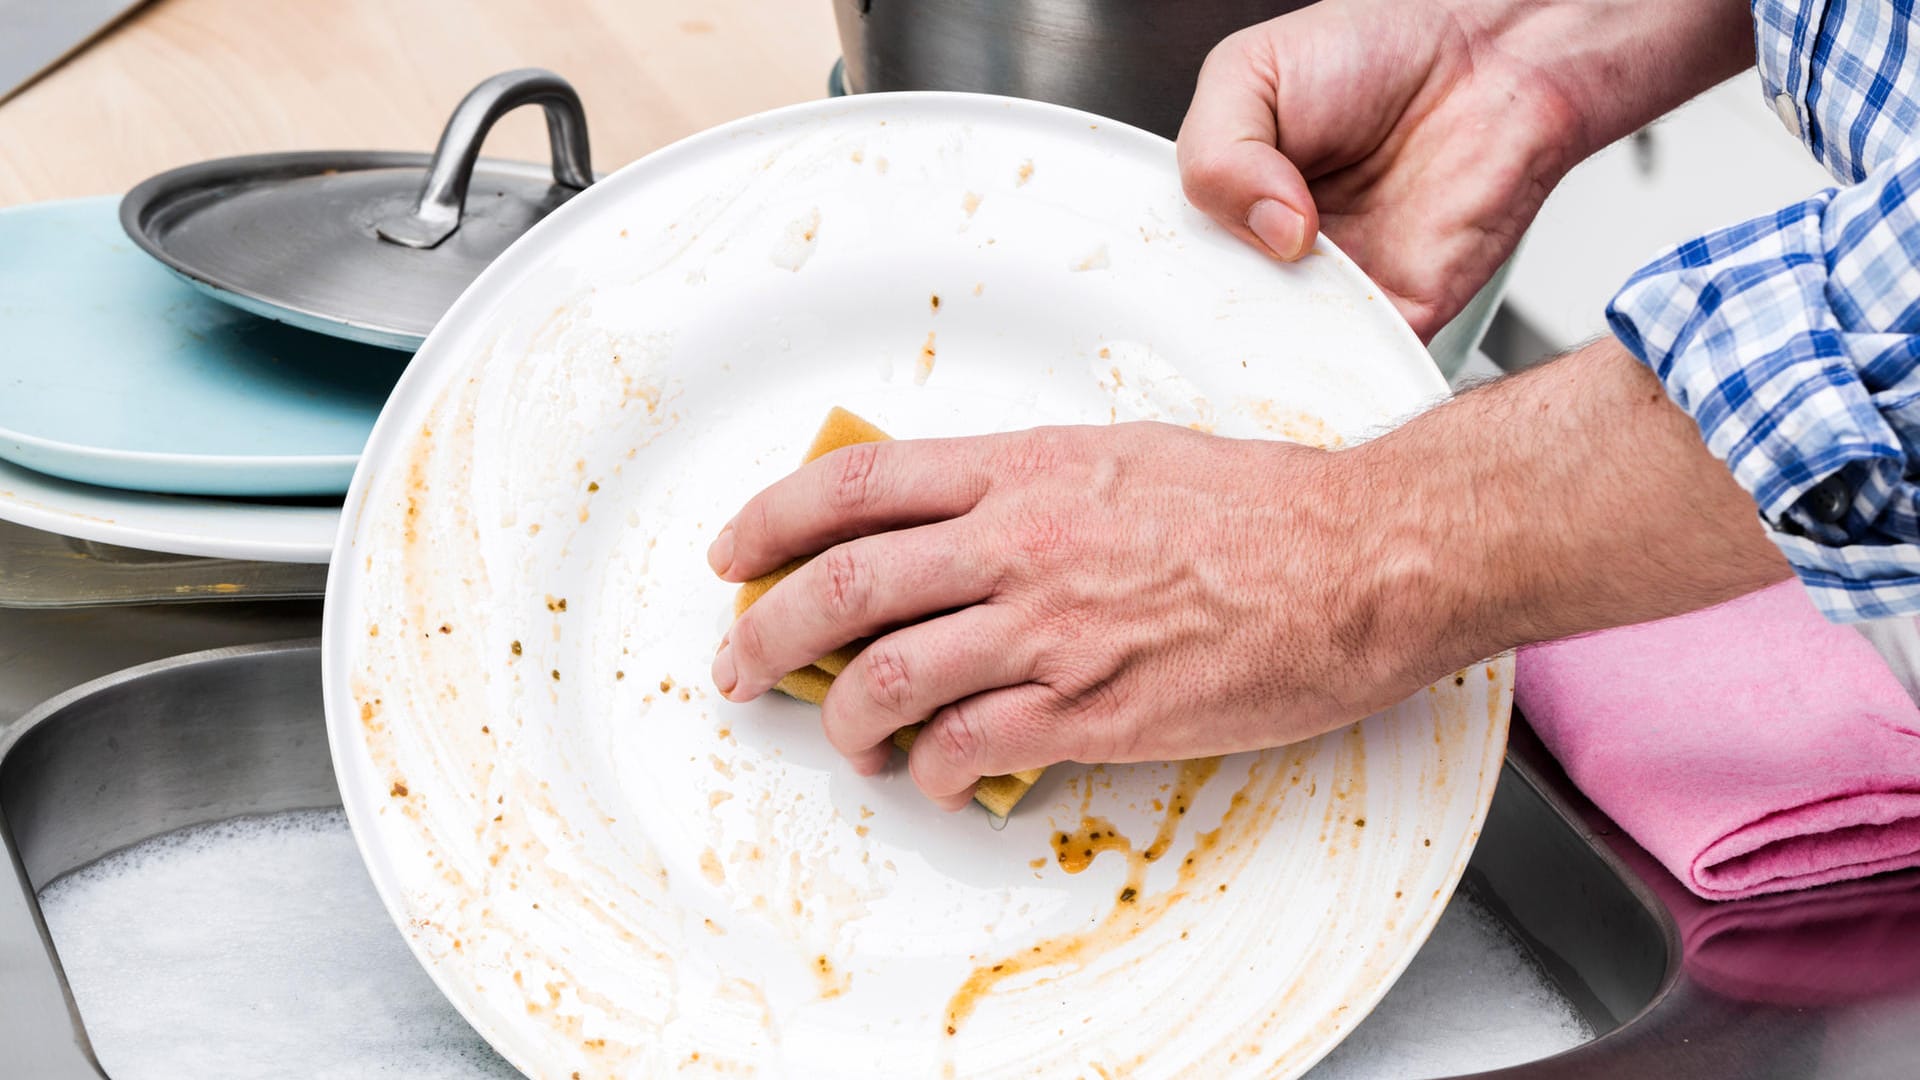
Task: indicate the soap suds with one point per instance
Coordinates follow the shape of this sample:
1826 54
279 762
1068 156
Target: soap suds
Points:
236 948
1471 1000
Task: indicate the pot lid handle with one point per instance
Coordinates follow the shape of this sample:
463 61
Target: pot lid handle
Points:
436 213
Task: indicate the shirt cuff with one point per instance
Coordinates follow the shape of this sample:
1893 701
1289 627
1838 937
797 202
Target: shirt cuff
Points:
1739 327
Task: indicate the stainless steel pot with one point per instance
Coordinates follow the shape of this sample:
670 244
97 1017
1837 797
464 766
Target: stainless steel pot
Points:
1133 60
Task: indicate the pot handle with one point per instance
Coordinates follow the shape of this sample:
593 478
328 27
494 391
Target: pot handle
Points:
436 213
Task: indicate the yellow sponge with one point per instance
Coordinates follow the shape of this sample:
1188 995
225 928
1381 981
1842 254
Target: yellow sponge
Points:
842 428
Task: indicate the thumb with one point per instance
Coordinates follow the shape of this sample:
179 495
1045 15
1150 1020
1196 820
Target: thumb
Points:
1230 162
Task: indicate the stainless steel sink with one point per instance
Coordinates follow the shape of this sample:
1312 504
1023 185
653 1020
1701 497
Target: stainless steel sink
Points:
239 731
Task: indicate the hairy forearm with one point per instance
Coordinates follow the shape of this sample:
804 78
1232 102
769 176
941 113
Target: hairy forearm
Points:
1569 499
1619 64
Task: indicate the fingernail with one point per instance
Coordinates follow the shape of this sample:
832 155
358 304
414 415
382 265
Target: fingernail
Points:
724 676
1279 227
720 554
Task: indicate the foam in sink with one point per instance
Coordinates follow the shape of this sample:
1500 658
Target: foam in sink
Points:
1471 1000
254 947
257 948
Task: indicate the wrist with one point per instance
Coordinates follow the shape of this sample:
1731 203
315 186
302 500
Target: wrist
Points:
1406 599
1615 66
1572 498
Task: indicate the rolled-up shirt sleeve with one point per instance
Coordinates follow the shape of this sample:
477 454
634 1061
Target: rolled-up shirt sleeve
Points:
1794 341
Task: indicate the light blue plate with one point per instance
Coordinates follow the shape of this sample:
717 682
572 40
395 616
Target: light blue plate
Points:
113 371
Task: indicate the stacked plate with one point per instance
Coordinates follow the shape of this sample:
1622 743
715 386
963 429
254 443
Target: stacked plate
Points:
145 401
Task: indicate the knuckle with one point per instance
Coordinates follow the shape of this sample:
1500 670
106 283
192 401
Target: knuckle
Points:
960 736
1211 174
1092 718
749 644
847 582
887 680
1219 60
1102 725
1041 534
1033 453
853 484
755 521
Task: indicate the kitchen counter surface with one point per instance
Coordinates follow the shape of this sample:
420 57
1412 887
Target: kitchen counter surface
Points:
185 80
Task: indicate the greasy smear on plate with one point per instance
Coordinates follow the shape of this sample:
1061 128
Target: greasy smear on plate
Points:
923 367
792 250
1097 259
1134 908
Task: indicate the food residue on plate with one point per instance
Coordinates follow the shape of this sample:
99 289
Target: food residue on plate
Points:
794 247
923 368
1093 260
1134 909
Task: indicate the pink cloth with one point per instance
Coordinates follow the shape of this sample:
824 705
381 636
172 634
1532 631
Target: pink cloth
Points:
1752 748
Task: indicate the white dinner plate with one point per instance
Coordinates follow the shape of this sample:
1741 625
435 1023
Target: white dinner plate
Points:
613 872
175 524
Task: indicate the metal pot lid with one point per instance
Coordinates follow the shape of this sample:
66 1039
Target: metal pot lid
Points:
373 246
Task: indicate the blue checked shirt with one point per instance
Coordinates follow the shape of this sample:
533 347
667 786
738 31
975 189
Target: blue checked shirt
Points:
1794 339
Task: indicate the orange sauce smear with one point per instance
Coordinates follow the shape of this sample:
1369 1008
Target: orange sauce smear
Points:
1133 908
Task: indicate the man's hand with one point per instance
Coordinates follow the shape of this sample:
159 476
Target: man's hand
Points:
1094 594
1423 137
1146 592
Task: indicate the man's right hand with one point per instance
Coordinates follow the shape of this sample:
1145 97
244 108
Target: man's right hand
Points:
1423 137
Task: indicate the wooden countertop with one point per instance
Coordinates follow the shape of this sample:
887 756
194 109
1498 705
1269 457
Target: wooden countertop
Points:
186 80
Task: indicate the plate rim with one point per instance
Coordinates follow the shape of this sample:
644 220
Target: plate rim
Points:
172 458
42 501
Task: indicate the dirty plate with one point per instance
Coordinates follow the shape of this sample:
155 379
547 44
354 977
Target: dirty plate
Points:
612 872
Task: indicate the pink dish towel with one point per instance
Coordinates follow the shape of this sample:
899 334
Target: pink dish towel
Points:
1752 748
